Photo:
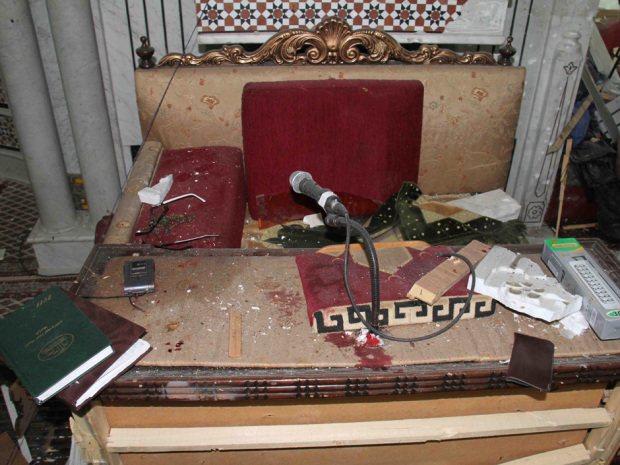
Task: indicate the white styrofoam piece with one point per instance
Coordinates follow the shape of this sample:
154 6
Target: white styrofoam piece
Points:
573 325
314 220
494 204
156 194
523 287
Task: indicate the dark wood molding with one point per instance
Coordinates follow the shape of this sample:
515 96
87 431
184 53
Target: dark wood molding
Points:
196 384
145 53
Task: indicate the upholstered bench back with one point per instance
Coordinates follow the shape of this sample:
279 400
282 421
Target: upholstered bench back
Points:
359 137
469 118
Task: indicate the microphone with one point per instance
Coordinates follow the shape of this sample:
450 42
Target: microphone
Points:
302 183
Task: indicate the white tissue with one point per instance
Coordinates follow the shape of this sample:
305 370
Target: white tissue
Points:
574 325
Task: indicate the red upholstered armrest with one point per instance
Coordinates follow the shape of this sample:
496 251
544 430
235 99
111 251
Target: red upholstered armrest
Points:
216 175
360 137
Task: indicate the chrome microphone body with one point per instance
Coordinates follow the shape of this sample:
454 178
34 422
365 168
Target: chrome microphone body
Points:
302 183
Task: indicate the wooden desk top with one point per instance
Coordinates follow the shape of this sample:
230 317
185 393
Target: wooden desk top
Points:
187 323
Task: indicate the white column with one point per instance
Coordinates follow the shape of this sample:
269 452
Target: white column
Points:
78 58
554 52
27 92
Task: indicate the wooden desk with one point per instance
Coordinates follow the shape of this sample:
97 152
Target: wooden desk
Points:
287 375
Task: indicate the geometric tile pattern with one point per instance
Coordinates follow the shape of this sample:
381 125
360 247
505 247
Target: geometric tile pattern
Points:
278 15
8 136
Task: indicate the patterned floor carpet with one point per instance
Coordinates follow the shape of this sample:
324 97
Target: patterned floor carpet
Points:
18 280
19 214
49 436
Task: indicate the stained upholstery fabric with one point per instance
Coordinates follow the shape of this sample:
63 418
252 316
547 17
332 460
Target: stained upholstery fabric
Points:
355 136
469 119
214 174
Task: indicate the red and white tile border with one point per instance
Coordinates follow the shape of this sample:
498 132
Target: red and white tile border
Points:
278 15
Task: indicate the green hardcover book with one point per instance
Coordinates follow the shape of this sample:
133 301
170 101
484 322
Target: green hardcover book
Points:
49 343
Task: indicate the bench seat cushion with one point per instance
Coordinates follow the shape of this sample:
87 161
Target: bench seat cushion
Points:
216 175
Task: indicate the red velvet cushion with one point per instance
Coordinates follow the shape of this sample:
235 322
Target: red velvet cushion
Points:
359 137
216 175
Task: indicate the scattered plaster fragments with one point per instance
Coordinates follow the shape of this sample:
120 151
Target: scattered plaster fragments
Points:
522 285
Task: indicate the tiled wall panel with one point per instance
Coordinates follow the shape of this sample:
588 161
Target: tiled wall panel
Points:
277 15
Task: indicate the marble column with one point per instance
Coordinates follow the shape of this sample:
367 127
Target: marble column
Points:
78 58
28 95
554 50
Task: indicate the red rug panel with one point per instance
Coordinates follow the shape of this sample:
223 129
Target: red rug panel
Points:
216 175
322 278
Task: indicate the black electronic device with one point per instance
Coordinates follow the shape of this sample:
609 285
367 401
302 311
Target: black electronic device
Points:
139 276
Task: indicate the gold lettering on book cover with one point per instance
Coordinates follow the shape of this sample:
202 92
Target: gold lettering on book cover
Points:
56 347
44 300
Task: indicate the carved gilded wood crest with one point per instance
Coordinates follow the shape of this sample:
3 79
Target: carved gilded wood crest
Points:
332 42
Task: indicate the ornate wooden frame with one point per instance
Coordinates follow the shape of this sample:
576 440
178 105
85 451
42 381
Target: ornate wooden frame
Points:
331 42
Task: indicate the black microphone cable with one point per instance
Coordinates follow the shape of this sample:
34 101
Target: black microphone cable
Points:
375 283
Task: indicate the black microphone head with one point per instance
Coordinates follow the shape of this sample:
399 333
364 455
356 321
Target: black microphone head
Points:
296 179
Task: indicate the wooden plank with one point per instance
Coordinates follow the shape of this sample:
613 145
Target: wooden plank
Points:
432 286
563 179
129 206
574 455
89 447
603 443
484 451
378 245
352 434
557 145
234 334
12 411
572 227
95 416
9 451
